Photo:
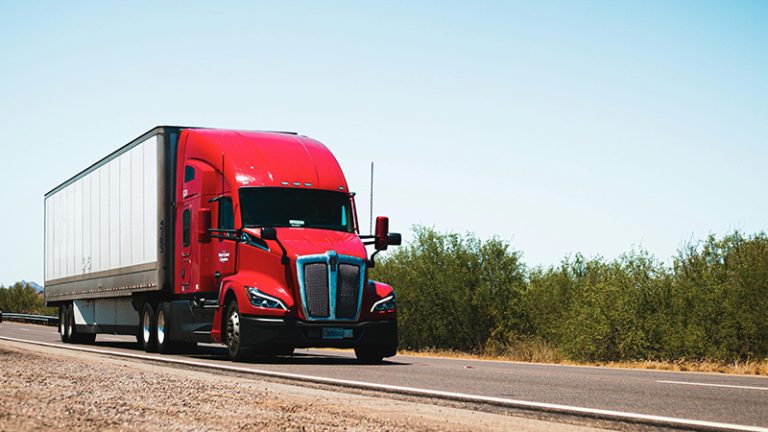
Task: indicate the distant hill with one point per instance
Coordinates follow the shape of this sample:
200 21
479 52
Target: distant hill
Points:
34 285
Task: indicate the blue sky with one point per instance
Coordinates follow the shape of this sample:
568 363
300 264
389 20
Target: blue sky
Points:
563 127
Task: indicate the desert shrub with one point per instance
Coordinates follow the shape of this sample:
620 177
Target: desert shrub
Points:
458 292
23 298
455 291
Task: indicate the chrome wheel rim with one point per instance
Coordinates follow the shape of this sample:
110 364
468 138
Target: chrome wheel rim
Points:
160 327
233 331
70 319
147 330
62 316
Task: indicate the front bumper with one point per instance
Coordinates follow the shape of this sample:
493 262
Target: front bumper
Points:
263 331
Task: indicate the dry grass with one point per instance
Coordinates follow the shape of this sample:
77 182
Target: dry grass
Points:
737 368
538 352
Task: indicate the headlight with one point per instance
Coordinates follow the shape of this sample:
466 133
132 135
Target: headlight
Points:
259 299
385 304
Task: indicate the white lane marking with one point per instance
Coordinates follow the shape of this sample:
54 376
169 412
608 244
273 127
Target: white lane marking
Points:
114 339
714 385
567 409
24 329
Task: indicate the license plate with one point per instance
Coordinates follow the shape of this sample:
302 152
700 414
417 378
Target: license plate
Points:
337 333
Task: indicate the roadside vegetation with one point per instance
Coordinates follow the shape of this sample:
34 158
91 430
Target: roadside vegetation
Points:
459 295
705 311
23 298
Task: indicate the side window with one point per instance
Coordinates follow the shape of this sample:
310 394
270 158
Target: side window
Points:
226 213
185 219
189 173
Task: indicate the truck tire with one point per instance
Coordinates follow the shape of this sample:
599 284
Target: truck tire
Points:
69 327
147 324
64 322
235 349
76 337
369 354
163 331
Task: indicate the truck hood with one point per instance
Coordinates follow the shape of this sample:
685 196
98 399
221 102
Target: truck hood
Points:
311 241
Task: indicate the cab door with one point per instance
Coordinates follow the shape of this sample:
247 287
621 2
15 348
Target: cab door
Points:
190 196
185 251
195 253
225 242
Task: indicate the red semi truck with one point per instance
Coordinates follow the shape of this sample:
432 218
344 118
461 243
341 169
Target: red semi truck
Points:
192 235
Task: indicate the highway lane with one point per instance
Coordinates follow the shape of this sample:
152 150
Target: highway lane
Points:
709 397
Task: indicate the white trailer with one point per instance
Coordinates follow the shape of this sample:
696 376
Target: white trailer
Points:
105 235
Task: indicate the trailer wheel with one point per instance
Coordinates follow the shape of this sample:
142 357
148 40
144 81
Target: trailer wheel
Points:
369 354
64 323
69 327
147 331
75 337
162 331
235 350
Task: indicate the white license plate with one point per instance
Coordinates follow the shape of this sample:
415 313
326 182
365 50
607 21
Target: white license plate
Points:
337 333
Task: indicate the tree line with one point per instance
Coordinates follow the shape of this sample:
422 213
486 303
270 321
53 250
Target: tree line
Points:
458 292
23 298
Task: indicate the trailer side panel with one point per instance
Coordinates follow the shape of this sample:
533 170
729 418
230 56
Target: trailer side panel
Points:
104 227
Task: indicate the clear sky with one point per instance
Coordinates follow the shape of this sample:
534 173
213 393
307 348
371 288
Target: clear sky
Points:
560 126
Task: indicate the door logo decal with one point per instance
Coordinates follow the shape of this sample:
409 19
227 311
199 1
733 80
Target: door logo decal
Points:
223 256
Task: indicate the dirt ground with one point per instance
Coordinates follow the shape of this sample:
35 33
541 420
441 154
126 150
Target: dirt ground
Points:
51 389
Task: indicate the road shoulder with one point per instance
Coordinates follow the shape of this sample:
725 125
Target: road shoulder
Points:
59 389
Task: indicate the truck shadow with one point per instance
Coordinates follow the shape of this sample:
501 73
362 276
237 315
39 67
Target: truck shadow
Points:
295 359
210 352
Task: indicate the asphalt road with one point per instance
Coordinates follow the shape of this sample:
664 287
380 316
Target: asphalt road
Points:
741 400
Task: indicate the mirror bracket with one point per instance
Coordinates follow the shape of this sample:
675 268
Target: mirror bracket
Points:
270 233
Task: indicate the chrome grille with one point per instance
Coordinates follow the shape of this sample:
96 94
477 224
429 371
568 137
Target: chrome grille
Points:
347 289
331 286
316 283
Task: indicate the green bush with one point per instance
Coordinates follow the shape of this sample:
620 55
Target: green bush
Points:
23 298
457 292
722 289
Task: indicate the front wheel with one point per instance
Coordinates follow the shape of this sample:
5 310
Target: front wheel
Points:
235 349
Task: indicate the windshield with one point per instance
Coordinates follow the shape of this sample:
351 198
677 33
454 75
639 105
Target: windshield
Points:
288 207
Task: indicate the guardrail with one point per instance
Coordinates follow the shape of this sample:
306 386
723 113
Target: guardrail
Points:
41 319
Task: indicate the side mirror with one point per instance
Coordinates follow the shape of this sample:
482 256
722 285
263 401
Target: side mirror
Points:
204 225
268 233
393 239
382 231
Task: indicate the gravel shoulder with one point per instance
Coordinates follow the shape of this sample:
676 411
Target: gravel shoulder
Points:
56 389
